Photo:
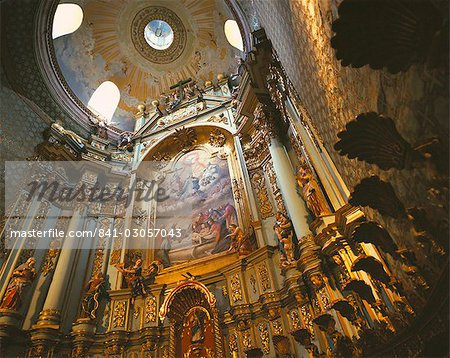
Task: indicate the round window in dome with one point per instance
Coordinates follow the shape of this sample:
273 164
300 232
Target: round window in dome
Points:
158 34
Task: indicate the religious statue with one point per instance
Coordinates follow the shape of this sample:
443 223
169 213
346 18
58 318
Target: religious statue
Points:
240 242
22 277
95 291
286 238
197 322
312 193
68 133
134 279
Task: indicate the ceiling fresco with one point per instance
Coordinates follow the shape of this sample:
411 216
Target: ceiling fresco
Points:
108 47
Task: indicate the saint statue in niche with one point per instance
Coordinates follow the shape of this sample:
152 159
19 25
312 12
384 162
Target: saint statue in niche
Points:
197 321
22 277
312 193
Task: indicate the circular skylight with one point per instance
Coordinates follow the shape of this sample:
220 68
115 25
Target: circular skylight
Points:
158 34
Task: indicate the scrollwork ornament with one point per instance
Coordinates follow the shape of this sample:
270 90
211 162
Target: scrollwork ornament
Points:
236 289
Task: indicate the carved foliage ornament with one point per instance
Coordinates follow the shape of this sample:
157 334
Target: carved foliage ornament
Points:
185 138
265 338
150 309
258 184
179 34
119 314
217 138
264 277
236 289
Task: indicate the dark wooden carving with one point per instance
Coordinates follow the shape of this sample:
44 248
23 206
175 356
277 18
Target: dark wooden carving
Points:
378 195
362 289
344 308
373 138
394 34
373 267
373 233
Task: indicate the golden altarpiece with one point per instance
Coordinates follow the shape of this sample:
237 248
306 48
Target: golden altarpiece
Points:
277 262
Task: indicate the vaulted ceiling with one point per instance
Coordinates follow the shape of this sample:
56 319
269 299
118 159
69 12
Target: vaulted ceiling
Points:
110 46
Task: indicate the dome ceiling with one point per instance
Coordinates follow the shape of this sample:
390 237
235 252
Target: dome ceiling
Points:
110 46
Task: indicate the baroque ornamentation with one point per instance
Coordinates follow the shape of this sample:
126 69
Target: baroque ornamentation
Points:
258 184
273 184
185 138
119 314
179 34
233 342
265 338
150 309
264 277
236 289
217 138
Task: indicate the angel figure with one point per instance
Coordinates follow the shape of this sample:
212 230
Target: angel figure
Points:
240 242
22 277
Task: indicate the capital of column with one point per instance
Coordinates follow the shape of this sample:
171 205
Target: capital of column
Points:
266 122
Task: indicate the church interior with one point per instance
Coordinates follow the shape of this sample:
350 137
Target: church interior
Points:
258 178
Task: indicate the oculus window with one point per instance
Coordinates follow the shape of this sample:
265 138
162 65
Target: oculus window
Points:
158 34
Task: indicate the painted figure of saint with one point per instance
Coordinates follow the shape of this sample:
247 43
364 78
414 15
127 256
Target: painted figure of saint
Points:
22 277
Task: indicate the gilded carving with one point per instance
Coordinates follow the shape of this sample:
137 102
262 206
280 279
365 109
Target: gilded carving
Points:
236 289
233 342
258 184
119 314
247 341
285 233
265 338
217 138
273 184
253 283
150 309
264 277
277 328
117 244
185 138
295 319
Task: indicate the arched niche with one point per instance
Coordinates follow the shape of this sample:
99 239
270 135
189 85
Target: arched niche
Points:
193 321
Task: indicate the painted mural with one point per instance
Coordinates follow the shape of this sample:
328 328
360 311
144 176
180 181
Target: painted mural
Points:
200 206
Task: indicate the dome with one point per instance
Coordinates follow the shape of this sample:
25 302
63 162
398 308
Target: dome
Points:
144 48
